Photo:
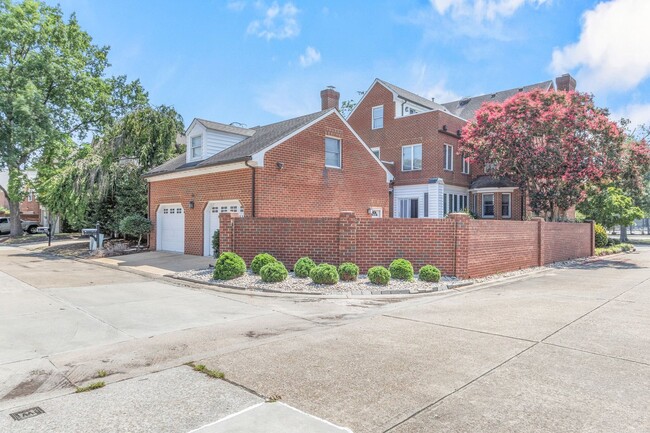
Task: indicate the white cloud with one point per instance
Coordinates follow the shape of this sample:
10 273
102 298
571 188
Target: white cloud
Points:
279 22
612 52
639 114
236 5
311 56
481 10
424 84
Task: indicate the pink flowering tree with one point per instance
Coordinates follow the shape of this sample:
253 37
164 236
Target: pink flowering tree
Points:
551 144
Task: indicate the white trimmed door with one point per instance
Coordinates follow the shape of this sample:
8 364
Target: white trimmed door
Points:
170 228
211 219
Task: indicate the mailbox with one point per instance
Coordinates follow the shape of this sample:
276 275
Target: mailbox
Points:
96 237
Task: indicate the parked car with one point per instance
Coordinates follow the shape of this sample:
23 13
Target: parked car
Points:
28 226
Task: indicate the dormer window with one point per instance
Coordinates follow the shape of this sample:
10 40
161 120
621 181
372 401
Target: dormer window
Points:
196 147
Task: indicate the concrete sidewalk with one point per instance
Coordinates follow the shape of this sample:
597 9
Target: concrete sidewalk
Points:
157 263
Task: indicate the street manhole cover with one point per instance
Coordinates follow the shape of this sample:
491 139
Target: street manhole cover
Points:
27 413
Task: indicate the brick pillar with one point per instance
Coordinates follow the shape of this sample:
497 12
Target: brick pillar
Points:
347 237
226 233
461 244
540 240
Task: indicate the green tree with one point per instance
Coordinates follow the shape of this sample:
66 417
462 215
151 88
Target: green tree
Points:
135 225
53 86
611 207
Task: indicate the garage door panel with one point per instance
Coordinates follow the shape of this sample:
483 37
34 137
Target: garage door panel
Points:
171 228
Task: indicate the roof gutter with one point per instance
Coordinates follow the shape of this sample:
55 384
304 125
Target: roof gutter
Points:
230 161
252 186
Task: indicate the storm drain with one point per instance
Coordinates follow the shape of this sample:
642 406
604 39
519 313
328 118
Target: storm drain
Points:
27 413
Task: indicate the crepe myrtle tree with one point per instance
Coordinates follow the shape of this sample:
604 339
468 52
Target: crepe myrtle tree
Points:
52 87
551 144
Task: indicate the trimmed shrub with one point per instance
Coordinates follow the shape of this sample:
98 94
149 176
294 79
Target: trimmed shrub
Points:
430 274
601 236
379 275
348 271
401 269
215 243
303 266
228 266
273 272
324 274
260 260
135 225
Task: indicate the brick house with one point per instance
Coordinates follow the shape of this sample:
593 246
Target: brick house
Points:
417 138
30 208
310 166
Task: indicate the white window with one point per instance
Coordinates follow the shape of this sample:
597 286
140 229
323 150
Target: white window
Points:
465 165
408 208
488 205
505 205
30 196
332 152
454 202
449 157
376 151
196 147
378 117
412 157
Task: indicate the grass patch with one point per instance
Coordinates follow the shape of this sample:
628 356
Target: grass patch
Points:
94 385
638 241
38 237
102 373
614 249
205 370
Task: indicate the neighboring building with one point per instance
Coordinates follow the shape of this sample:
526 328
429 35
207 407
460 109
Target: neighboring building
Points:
417 139
310 166
30 209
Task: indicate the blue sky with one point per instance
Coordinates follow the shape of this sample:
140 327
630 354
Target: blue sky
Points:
258 62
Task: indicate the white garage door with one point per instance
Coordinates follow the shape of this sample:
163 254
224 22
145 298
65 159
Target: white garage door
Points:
211 220
171 228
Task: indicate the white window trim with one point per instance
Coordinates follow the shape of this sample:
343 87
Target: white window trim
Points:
340 151
372 115
192 157
483 206
378 149
411 146
465 165
451 156
509 205
409 199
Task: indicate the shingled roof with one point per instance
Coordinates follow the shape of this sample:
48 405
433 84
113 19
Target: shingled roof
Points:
467 107
410 96
261 137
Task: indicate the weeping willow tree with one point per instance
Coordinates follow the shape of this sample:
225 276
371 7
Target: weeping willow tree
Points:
102 181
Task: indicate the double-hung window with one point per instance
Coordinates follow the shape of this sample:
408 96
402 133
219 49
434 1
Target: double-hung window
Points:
488 205
465 165
412 157
332 152
449 157
378 117
505 205
196 147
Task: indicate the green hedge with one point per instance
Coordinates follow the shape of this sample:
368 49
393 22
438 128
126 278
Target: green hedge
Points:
379 275
229 266
260 260
303 266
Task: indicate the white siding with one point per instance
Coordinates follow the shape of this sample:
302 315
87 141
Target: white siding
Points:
410 191
216 141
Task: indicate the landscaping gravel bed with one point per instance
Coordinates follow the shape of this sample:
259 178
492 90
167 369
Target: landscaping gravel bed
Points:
294 284
362 286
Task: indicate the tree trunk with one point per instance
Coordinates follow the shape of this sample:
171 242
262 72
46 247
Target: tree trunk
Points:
624 234
14 212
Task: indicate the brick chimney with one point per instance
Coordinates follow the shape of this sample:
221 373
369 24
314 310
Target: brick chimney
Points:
329 98
565 83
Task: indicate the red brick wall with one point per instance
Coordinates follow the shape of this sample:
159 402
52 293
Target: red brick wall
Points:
304 187
420 128
457 245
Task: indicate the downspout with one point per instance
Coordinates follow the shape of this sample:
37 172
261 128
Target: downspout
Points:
252 188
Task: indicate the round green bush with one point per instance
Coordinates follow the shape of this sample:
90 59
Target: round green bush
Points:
229 266
379 275
401 269
601 236
348 271
430 274
303 266
324 274
260 260
273 272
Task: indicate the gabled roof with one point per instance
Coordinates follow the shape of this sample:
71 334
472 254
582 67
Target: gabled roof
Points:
467 107
410 96
216 126
261 137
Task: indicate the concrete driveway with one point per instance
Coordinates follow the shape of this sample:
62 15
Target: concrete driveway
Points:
567 350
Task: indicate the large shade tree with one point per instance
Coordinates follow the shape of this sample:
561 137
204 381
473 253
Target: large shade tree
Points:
551 144
53 88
